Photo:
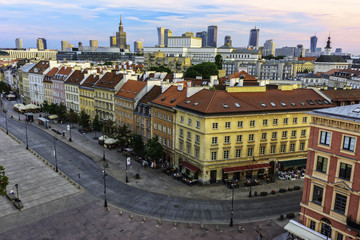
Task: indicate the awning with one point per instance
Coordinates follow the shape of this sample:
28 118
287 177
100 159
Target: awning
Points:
51 117
303 232
190 166
294 163
246 168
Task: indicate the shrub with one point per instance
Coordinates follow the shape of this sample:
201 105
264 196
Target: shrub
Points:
263 193
255 194
290 189
290 215
282 190
296 187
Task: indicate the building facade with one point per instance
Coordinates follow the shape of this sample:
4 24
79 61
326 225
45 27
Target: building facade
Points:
212 36
87 95
254 38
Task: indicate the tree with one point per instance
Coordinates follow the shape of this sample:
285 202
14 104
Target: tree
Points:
123 136
109 128
72 116
84 120
205 70
154 149
45 107
137 144
4 181
160 69
96 125
61 111
219 61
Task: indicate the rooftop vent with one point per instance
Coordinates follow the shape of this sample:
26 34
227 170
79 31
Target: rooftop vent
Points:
356 110
225 105
272 104
302 103
283 104
293 104
263 104
237 105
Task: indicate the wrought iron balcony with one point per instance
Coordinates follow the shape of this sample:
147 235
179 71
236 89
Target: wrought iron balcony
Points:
352 224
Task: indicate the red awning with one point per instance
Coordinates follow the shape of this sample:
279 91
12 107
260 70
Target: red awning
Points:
190 166
246 168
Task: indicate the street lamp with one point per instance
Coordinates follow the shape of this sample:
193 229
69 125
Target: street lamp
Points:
104 177
70 140
19 115
26 132
56 166
17 190
104 140
126 164
232 205
7 130
252 167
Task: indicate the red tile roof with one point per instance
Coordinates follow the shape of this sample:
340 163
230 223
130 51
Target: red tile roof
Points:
62 74
109 80
171 97
90 81
243 75
343 95
75 78
130 89
50 75
40 67
311 59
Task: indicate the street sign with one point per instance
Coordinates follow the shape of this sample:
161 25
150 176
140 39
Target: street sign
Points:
68 127
128 161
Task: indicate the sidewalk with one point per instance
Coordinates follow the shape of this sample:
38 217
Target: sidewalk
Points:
152 180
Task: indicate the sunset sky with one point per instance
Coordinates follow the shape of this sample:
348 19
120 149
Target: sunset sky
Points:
287 22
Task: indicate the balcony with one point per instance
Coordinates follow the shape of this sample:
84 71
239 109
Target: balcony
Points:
352 224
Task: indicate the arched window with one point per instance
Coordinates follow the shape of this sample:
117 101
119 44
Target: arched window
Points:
326 227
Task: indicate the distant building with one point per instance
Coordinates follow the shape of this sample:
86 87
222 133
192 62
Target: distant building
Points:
161 36
94 44
188 34
227 41
138 47
313 42
167 34
290 52
121 38
41 44
254 38
269 48
19 43
65 45
212 36
328 47
203 35
325 63
175 64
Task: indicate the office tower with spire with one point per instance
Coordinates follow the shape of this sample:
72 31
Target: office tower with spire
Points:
203 35
328 47
254 38
19 43
313 42
269 48
121 37
212 36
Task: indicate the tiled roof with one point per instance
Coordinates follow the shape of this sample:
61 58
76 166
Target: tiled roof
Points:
109 80
151 95
171 97
243 75
215 102
330 58
90 81
40 67
50 75
130 89
62 74
75 78
311 59
343 95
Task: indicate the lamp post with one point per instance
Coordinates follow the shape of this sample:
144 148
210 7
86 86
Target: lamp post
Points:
126 164
7 130
104 177
17 190
252 167
70 140
232 206
19 115
26 132
104 159
56 166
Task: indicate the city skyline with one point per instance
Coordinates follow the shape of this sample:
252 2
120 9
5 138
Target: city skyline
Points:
83 21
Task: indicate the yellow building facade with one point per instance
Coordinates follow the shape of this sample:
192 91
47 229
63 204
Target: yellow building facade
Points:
86 95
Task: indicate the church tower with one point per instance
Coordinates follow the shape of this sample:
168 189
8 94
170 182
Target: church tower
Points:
328 47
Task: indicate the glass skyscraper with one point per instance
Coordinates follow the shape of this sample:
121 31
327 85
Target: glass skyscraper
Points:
254 38
313 42
212 36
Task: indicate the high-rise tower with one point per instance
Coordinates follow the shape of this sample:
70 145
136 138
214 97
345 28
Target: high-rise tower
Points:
203 35
212 36
254 38
41 44
313 42
121 37
19 43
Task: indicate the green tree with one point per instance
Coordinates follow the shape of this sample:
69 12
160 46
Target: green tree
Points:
109 128
72 116
123 136
45 107
96 124
205 69
84 120
219 61
154 149
4 181
61 111
160 69
138 145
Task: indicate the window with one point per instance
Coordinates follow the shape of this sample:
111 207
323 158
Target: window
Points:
275 121
252 123
189 121
164 117
302 146
181 133
189 135
262 150
197 138
345 171
197 124
325 138
181 118
215 125
273 149
239 138
340 203
181 145
326 229
250 152
227 139
164 142
169 143
283 148
295 120
238 153
155 126
304 120
284 134
240 124
321 164
197 151
214 140
317 195
274 135
164 129
292 147
293 133
303 133
169 118
227 125
265 122
160 115
349 143
169 131
213 155
188 148
339 236
285 121
263 136
226 154
251 137
312 225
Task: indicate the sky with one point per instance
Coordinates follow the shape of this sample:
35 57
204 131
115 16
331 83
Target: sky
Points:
287 22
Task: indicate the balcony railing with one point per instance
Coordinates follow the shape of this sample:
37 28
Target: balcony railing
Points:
353 224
